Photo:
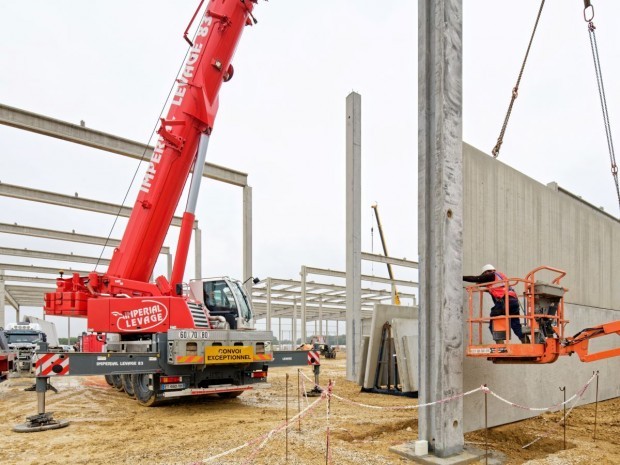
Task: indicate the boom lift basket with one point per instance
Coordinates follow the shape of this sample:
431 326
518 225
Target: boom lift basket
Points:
541 319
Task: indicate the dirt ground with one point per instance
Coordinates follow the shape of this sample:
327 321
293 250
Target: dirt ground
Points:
109 428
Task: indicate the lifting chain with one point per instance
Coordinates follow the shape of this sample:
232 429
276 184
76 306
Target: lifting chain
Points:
515 90
588 16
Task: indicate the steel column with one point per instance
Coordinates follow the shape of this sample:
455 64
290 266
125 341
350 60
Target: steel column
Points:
247 238
2 297
294 321
321 316
197 251
303 274
280 332
269 309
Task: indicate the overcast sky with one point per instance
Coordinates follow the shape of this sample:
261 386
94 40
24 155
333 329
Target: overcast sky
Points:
282 116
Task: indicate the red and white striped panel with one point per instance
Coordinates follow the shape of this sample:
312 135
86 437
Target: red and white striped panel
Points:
314 358
44 365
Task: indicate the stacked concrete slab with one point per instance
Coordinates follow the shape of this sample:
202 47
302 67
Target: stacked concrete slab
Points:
404 322
517 224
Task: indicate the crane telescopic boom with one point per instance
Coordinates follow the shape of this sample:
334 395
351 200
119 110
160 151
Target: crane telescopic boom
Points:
188 123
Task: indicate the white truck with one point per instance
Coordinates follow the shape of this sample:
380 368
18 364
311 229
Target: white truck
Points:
23 338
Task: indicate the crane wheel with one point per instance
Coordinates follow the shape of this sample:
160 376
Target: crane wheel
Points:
108 379
117 382
145 396
128 386
229 395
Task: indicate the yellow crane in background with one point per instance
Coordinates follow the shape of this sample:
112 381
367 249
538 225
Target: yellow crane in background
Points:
375 207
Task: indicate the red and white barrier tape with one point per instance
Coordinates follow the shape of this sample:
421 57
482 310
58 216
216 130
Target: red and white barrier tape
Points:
328 392
557 425
457 396
408 407
263 439
328 395
285 425
541 409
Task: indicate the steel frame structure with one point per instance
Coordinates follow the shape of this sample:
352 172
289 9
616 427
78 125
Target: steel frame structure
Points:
18 296
272 297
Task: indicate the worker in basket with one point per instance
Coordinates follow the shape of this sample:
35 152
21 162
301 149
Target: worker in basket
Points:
498 294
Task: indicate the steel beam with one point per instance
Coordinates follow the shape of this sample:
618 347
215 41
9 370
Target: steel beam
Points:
11 300
38 269
29 279
440 222
63 236
52 198
52 256
28 289
374 279
389 260
47 126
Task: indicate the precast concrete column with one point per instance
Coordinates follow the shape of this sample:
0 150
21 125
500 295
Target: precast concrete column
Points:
353 231
2 298
197 251
337 330
440 218
304 275
280 332
269 306
169 261
294 321
247 238
321 316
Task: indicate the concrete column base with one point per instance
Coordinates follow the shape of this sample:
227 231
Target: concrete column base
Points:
469 455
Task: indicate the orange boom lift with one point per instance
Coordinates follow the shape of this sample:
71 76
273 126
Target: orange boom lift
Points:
543 322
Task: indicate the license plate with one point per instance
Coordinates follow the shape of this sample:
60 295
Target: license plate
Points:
168 387
188 334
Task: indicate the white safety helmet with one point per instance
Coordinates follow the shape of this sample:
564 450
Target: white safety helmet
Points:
488 267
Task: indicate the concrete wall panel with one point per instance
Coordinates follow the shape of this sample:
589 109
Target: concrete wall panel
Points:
405 332
382 314
517 224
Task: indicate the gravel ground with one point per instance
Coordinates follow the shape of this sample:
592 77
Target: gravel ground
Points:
109 428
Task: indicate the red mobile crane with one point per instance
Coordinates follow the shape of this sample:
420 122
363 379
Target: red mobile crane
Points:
544 324
160 341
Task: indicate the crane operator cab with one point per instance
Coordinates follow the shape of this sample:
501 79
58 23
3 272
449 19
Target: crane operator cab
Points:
228 303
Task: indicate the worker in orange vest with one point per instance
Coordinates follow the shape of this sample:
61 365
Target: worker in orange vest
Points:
498 294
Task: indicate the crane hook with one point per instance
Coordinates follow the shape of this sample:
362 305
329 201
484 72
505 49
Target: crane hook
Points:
588 11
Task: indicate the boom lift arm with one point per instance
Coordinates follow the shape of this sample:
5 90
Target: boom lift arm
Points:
579 343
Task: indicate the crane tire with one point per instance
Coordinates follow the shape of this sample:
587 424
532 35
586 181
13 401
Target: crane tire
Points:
128 386
117 382
145 396
108 379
